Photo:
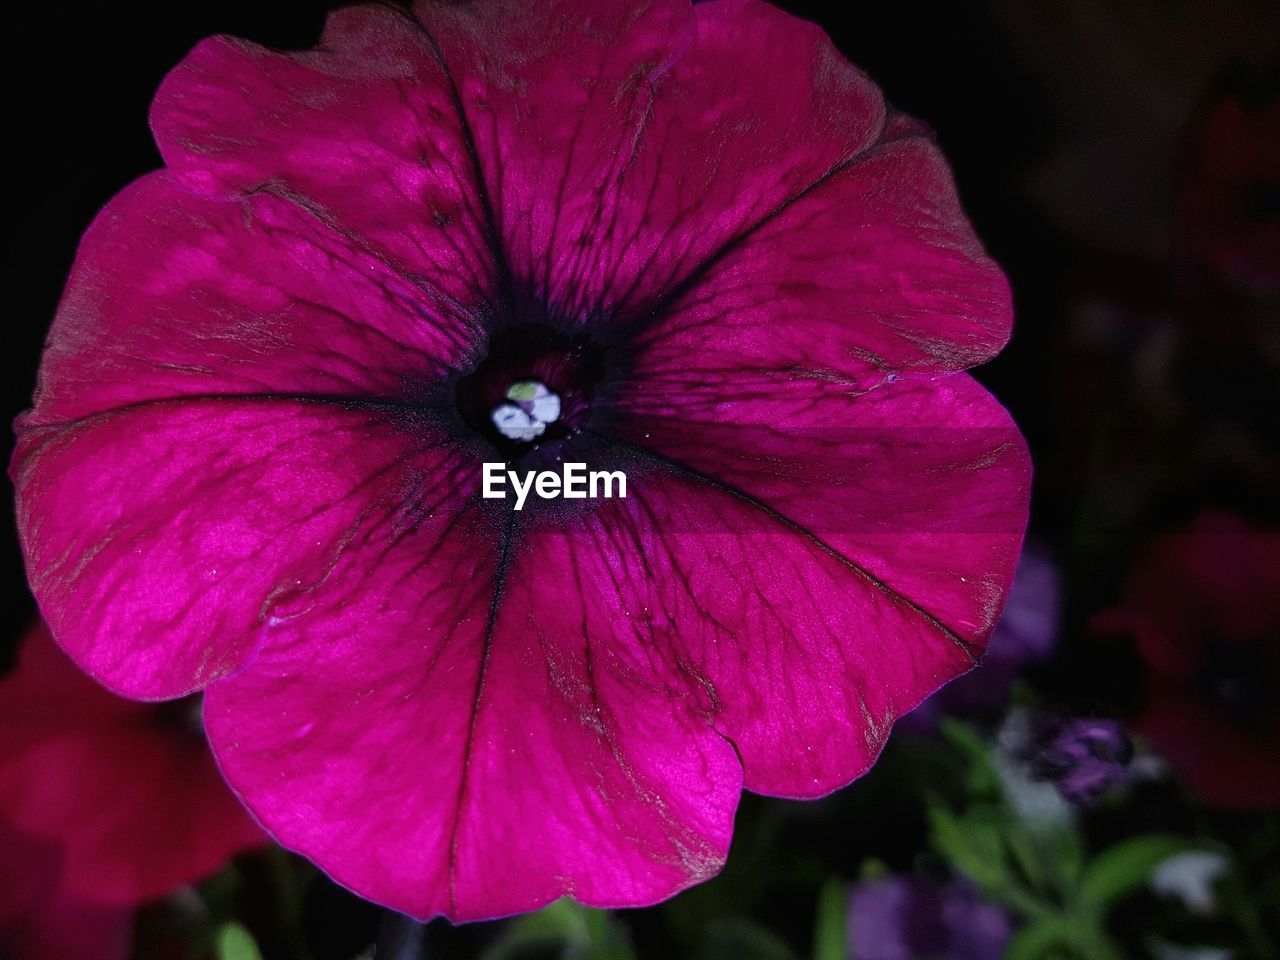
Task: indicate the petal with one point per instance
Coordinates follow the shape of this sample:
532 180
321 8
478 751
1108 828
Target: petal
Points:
921 484
635 145
362 131
162 539
873 271
174 294
494 755
793 651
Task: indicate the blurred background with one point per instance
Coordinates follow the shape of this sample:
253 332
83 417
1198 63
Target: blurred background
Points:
1108 784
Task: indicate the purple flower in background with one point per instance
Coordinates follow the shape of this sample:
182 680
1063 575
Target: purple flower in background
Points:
901 918
686 241
1082 756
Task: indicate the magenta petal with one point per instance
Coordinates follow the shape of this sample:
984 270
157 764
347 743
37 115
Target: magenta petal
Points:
795 651
164 572
176 295
872 271
923 484
362 131
498 750
639 145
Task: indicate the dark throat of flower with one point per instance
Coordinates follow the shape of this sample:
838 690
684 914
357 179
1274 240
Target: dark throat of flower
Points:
535 390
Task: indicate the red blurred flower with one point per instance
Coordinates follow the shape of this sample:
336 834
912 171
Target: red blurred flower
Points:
1226 209
104 803
1203 606
39 921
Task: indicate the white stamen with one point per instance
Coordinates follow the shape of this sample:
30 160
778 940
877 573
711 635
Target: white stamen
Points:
530 408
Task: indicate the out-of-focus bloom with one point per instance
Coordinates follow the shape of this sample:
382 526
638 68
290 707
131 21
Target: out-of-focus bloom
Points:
1083 757
1203 607
1051 763
1190 877
41 921
104 804
540 233
1228 205
900 918
1026 634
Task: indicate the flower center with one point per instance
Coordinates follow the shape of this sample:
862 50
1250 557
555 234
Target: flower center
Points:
529 407
535 386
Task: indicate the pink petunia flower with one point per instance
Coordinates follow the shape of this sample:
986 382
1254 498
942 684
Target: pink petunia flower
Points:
104 805
686 242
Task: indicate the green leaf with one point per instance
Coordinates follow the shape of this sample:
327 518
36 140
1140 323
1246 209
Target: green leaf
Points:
1065 849
981 780
1126 868
234 942
1058 935
1049 854
829 922
972 845
1029 857
1039 938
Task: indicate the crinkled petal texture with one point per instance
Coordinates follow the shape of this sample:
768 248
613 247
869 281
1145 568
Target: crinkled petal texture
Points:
246 471
127 792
